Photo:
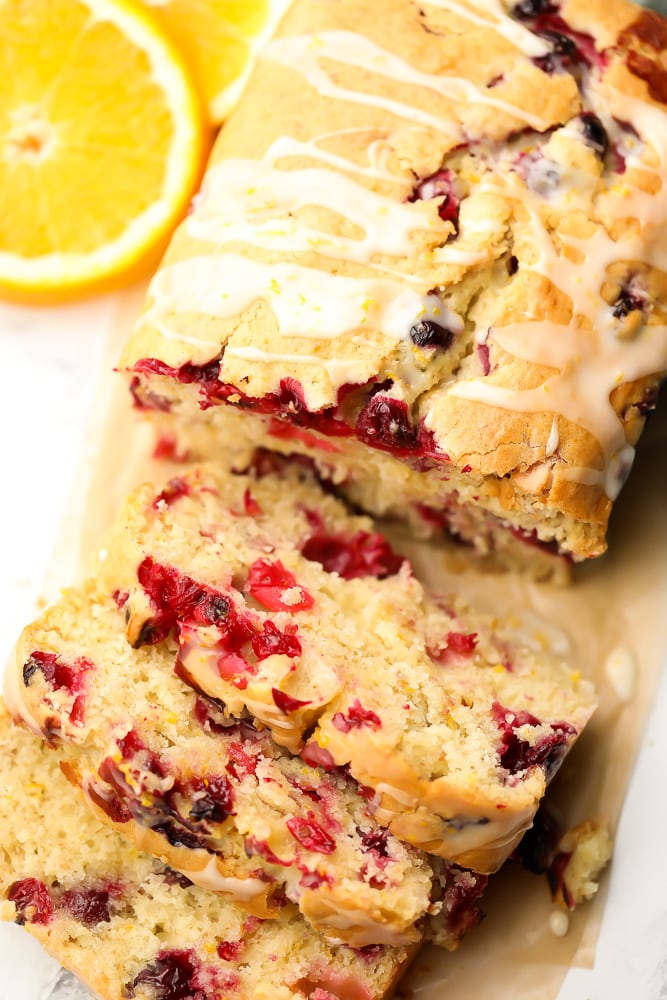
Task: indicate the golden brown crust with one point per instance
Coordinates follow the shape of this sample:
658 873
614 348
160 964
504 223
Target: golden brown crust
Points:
534 197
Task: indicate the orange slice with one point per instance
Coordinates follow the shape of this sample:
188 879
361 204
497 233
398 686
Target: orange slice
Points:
219 39
101 143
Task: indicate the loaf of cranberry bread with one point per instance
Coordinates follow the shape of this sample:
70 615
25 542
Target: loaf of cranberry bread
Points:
435 264
284 607
131 927
212 797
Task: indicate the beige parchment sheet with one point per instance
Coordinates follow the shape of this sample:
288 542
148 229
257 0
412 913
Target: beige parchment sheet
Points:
619 601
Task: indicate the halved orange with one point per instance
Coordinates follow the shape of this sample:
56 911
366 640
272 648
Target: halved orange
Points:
101 142
219 39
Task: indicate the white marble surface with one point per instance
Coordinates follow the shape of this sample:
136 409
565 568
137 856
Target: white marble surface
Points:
51 365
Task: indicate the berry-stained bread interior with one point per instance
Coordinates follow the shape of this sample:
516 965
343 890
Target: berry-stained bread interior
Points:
429 253
266 595
131 927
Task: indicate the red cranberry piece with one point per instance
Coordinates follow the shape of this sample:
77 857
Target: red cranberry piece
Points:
177 597
385 423
427 333
172 976
172 877
462 890
230 951
88 906
595 133
317 756
375 842
483 357
462 643
525 10
352 556
315 880
174 490
286 703
250 505
628 301
440 185
648 402
32 901
120 598
213 798
167 448
241 763
517 754
268 581
310 834
357 717
272 642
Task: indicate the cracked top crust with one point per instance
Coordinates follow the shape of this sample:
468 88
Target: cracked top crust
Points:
452 211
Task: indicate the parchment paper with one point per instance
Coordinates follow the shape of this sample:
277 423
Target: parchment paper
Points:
617 602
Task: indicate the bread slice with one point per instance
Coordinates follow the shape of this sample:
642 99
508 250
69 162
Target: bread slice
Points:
285 608
131 927
210 795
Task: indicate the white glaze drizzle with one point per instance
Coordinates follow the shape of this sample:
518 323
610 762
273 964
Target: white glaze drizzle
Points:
589 360
304 53
250 201
311 303
306 302
517 34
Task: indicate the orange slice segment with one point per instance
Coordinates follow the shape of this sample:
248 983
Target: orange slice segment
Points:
219 39
101 142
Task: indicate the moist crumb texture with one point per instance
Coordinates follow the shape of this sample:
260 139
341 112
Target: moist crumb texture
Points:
435 266
131 927
269 601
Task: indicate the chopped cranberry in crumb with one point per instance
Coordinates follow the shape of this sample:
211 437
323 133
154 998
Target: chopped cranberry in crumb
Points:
88 906
351 556
628 301
166 448
440 185
241 763
276 588
384 423
483 357
171 976
462 890
60 676
230 951
357 717
375 842
120 598
517 754
462 642
212 798
173 491
286 703
32 901
315 880
250 505
310 834
569 48
177 597
272 642
428 334
289 432
317 756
